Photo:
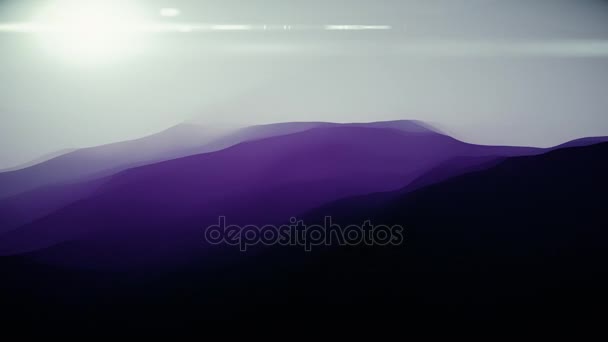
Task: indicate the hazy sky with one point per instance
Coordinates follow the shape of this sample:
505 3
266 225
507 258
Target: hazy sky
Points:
525 72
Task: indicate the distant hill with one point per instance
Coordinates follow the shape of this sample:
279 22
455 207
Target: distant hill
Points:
257 182
96 162
520 239
523 238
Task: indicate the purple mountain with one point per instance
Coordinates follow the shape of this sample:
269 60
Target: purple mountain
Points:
157 213
96 162
179 141
47 186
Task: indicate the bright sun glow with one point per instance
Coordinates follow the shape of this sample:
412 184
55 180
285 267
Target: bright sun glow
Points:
90 31
170 12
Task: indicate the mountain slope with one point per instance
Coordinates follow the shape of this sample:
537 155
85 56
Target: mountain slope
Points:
530 231
182 140
152 211
523 240
42 188
520 240
96 162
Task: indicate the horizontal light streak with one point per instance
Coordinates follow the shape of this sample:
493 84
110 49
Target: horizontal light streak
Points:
406 47
33 27
356 27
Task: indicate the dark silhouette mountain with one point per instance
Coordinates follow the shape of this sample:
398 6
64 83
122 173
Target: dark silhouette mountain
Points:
527 236
521 206
146 214
523 239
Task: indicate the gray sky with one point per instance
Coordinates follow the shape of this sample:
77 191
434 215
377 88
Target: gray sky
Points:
523 72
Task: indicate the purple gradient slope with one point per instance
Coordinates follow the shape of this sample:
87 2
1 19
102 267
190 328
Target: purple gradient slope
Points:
176 142
156 213
42 188
27 207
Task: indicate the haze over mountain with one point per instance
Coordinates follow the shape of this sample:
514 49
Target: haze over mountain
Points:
179 141
88 163
513 72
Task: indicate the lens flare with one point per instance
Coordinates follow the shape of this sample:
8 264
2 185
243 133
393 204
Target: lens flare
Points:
88 31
